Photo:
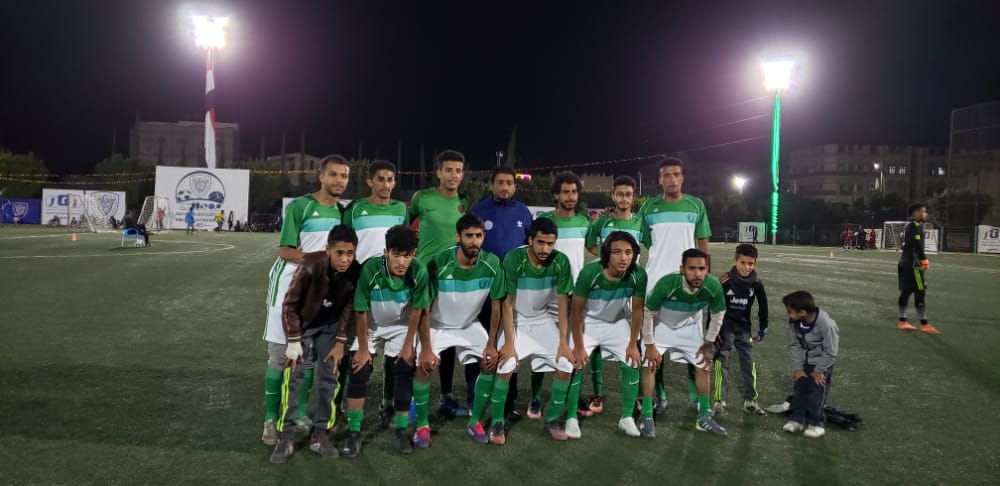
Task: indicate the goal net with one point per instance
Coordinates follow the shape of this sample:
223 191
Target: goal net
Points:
892 236
91 212
156 214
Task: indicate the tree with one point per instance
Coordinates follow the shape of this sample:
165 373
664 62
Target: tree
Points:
120 173
21 175
963 207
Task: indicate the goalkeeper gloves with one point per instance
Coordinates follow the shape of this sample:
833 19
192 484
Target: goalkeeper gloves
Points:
293 350
761 333
924 265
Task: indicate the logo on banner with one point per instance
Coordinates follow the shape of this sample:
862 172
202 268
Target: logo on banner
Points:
20 209
201 189
107 202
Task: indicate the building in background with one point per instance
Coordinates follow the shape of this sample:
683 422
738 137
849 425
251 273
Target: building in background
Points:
974 155
182 144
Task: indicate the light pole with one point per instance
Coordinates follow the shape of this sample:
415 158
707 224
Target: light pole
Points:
739 182
777 78
881 176
499 156
210 35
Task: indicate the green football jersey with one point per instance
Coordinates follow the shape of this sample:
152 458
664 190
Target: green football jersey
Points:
389 300
370 221
535 289
669 228
458 294
607 300
607 224
438 215
307 224
677 308
571 238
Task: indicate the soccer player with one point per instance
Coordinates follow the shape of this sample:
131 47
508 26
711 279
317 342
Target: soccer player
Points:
912 265
742 287
605 295
308 220
537 275
813 341
673 323
371 217
438 209
671 223
462 279
390 297
189 220
619 218
317 316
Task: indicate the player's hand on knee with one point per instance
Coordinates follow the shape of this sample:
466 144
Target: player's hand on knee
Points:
293 354
632 357
580 357
334 356
565 352
652 358
361 359
703 358
507 352
491 357
428 361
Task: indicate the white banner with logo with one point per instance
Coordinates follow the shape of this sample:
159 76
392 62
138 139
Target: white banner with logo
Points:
987 239
754 232
57 204
206 192
931 238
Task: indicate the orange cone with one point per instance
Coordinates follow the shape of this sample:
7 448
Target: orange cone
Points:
831 254
73 238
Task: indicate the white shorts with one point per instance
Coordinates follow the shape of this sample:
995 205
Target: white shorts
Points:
683 342
469 342
390 339
611 338
277 287
538 341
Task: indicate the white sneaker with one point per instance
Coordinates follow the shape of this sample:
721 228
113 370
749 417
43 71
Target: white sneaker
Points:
628 426
793 426
270 435
719 408
779 408
814 432
572 428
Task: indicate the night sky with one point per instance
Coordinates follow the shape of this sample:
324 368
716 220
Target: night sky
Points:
582 84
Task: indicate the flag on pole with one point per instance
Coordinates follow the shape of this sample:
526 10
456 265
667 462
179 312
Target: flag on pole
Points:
209 113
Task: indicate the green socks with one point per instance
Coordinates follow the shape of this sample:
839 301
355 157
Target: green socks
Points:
537 379
661 392
647 407
484 388
304 392
557 402
389 379
573 397
692 386
272 393
630 388
422 400
597 371
704 406
402 420
354 418
498 398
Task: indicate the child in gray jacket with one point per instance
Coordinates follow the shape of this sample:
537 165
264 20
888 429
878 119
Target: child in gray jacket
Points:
813 342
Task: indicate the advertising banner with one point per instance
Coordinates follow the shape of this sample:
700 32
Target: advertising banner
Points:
206 192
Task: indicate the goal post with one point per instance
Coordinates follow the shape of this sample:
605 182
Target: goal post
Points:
89 213
156 214
892 236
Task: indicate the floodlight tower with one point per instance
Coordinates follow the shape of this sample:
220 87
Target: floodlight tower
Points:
210 35
777 78
739 182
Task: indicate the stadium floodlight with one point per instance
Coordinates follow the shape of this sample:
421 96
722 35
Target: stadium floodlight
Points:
777 78
210 35
739 182
881 176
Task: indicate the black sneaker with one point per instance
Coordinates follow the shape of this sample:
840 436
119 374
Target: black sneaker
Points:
386 413
282 450
403 444
353 447
320 444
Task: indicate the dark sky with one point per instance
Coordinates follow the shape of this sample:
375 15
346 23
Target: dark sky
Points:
582 83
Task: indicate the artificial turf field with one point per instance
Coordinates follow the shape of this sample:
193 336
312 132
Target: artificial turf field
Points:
145 366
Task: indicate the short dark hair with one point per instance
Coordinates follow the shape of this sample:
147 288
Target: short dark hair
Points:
747 250
624 181
915 207
332 159
671 162
565 178
401 238
543 225
449 156
619 236
800 300
380 165
502 170
468 220
341 233
693 253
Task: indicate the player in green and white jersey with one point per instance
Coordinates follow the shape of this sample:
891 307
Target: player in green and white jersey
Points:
307 222
437 209
673 323
389 299
618 218
573 226
537 275
605 295
671 223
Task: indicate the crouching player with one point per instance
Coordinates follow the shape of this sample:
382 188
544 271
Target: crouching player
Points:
606 293
814 341
389 301
673 323
317 314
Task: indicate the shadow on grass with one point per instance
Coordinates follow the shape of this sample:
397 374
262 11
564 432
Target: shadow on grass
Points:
985 377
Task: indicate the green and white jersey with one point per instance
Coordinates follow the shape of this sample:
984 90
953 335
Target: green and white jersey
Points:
438 215
609 301
607 224
389 300
535 289
306 225
458 294
572 236
370 221
669 228
676 307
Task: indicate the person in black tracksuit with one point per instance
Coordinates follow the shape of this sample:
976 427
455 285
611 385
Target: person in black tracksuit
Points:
912 265
741 286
